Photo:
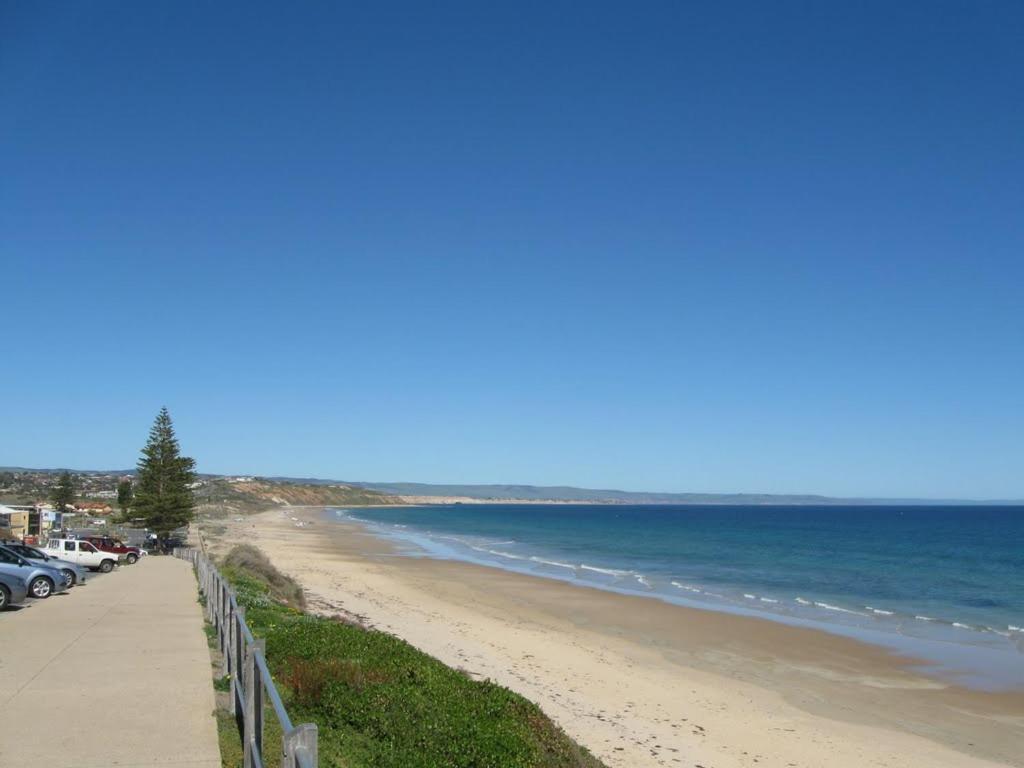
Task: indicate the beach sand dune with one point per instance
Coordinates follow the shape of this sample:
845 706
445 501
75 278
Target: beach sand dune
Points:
641 682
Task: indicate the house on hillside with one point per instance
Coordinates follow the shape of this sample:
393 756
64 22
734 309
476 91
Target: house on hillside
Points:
93 507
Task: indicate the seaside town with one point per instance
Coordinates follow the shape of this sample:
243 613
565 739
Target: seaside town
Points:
26 511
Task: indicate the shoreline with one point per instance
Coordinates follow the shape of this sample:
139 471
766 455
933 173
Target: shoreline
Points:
643 682
987 658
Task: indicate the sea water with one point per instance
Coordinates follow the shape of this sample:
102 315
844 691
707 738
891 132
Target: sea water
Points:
945 584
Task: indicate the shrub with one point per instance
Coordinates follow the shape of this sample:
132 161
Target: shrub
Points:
254 564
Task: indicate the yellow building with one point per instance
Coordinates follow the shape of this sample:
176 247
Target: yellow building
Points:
18 521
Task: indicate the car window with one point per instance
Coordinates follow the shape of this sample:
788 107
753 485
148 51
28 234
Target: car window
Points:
69 546
6 556
84 546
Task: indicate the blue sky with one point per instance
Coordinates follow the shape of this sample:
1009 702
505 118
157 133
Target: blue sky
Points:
709 247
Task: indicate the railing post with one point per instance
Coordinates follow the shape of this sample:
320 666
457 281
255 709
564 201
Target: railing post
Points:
229 651
238 676
208 591
221 629
252 729
302 739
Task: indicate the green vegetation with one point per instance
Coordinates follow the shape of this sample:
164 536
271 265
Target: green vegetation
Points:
380 702
231 754
125 496
247 560
163 491
63 495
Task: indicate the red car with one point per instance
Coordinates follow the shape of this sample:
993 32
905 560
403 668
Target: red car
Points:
107 544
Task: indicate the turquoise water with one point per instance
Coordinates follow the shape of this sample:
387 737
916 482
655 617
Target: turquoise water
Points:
944 583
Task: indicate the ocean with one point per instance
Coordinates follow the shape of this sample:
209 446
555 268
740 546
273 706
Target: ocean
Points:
945 584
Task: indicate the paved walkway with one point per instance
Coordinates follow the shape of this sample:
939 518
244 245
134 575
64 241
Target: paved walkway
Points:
114 673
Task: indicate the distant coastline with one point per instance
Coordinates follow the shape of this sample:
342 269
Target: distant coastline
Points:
443 493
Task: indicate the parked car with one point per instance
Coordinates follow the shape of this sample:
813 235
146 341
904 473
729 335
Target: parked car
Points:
73 573
12 590
40 580
83 553
118 547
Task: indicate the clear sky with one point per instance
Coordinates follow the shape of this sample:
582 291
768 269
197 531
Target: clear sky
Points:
716 246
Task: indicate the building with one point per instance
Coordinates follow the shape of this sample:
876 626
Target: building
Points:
20 522
16 522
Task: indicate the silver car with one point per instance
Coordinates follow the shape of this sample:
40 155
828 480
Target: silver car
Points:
74 574
12 590
41 581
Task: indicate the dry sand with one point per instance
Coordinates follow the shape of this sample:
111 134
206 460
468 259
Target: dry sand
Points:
643 683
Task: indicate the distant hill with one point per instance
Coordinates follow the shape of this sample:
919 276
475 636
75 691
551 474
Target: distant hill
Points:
321 492
259 493
564 493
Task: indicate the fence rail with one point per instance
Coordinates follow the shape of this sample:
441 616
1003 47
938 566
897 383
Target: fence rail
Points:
246 665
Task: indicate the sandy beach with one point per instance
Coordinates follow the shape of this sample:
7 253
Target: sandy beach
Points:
641 682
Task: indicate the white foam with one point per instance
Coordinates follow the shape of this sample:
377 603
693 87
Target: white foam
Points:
509 555
829 607
687 587
925 618
749 596
802 601
879 611
1012 628
607 571
768 600
958 625
550 562
643 581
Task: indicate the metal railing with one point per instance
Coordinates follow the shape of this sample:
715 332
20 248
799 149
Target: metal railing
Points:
246 665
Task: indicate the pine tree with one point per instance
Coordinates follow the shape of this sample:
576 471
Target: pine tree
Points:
163 492
63 495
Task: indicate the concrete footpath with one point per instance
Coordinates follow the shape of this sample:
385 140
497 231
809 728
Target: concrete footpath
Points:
113 673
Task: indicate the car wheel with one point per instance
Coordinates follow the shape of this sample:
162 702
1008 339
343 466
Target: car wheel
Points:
5 597
106 566
41 587
69 576
132 558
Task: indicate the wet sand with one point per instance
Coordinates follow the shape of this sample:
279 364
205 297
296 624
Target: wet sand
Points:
641 682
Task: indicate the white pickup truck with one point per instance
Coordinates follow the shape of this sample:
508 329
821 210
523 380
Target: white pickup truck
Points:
83 553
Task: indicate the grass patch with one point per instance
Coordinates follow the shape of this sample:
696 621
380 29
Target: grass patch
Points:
380 702
231 754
